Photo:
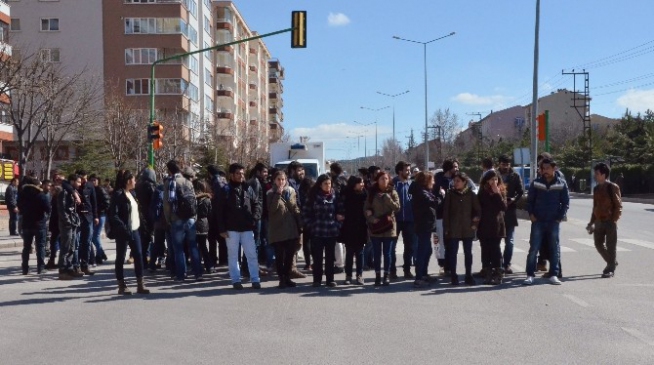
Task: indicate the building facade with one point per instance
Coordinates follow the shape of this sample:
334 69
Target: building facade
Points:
276 100
6 130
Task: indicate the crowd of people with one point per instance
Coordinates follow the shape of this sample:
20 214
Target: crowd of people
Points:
257 225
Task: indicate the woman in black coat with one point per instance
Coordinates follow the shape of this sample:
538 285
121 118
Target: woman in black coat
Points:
354 231
202 223
492 199
424 204
124 222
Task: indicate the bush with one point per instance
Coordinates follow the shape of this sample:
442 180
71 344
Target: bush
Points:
638 179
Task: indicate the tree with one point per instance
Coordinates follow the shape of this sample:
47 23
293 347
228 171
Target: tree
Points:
121 126
391 147
449 125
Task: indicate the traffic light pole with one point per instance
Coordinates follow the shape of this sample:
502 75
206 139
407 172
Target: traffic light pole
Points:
179 56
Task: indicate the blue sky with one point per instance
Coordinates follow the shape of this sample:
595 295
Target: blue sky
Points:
486 66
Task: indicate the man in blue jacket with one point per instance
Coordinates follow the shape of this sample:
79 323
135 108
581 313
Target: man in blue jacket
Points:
404 218
547 204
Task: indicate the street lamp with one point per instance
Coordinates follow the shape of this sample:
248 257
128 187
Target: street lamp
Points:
366 138
393 96
424 47
375 110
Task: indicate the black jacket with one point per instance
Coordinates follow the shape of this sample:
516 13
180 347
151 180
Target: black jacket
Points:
119 214
66 209
34 207
259 192
204 212
237 208
441 182
354 232
514 191
145 188
425 204
11 197
103 199
89 207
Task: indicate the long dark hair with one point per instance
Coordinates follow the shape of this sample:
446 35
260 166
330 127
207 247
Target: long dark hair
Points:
487 177
317 187
374 189
353 181
122 177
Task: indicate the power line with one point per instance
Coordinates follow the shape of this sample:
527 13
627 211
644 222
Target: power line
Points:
586 65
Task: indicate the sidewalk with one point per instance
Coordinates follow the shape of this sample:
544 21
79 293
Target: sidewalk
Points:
7 241
626 199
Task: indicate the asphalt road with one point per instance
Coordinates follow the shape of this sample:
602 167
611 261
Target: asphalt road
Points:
587 320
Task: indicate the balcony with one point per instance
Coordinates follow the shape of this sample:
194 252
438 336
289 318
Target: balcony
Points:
253 69
253 86
272 96
272 111
224 24
253 50
229 49
225 70
225 93
225 114
273 80
253 104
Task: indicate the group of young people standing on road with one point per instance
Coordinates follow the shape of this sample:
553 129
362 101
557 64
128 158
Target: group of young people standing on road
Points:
341 224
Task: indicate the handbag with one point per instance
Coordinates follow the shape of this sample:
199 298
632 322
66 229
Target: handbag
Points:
384 224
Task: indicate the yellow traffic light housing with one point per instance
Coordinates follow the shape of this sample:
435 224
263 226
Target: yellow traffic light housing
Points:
299 33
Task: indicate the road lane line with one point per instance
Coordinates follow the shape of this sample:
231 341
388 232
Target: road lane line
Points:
576 300
591 243
639 335
638 243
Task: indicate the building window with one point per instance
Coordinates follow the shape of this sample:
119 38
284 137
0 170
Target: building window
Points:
207 76
170 86
15 24
207 55
208 103
4 32
140 56
194 65
192 7
137 87
192 92
207 24
49 24
49 55
155 26
207 3
140 1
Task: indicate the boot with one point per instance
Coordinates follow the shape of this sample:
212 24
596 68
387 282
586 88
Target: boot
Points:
497 276
65 275
377 279
141 289
488 278
123 289
359 280
295 274
77 273
386 280
289 283
282 282
51 265
348 280
87 271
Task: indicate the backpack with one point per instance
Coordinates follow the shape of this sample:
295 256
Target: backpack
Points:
187 203
155 210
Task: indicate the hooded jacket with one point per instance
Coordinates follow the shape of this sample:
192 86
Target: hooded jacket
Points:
34 206
237 209
284 220
204 213
145 188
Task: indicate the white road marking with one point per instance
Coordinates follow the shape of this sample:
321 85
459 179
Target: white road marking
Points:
517 268
591 243
639 335
576 300
638 243
567 249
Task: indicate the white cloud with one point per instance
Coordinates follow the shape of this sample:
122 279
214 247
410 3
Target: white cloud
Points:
637 100
337 19
474 99
337 131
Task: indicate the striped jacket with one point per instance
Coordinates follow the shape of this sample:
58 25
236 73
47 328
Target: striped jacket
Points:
319 214
548 202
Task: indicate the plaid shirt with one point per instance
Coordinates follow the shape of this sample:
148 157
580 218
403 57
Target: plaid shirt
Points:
320 215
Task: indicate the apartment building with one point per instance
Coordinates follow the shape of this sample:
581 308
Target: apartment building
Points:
276 101
6 130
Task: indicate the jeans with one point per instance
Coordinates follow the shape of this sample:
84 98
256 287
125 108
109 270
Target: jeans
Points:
181 231
85 233
606 232
388 245
268 249
40 234
158 247
509 242
338 255
245 240
453 251
368 256
423 254
542 232
134 243
285 252
68 242
441 247
146 242
491 253
258 239
13 221
410 244
320 245
306 247
204 251
54 244
97 231
350 256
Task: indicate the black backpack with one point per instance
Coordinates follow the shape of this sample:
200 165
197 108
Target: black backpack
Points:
187 204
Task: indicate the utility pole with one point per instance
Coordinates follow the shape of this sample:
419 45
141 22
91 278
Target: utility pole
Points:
393 96
480 136
534 101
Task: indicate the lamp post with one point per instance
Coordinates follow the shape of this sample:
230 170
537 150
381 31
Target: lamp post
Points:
366 138
375 110
393 96
424 48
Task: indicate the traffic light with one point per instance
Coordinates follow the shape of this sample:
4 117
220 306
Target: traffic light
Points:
542 127
155 134
299 33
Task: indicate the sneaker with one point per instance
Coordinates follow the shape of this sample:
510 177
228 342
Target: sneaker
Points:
608 275
338 270
470 280
508 270
332 284
295 274
359 280
394 276
528 281
237 286
408 275
348 281
42 272
256 285
420 284
455 280
554 280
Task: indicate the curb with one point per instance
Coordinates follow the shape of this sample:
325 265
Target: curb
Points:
624 199
11 244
